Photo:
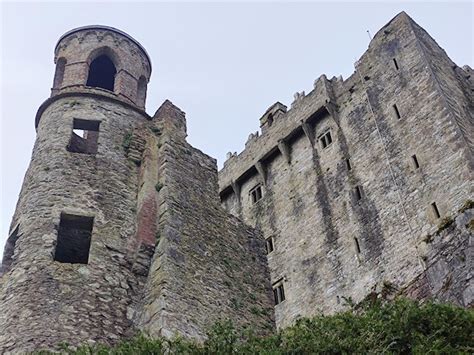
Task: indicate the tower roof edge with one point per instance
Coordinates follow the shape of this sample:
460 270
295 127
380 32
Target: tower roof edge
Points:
108 28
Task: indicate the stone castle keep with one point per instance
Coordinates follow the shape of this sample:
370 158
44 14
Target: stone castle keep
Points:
363 186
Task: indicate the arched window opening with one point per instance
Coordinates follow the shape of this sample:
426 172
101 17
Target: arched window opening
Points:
59 74
141 91
102 73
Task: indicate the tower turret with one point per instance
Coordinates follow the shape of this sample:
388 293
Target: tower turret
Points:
118 226
102 58
66 271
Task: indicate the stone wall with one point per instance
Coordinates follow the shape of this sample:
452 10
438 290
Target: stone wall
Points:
448 254
109 189
45 302
146 188
209 266
349 216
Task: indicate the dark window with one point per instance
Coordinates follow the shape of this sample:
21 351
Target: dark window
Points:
59 74
396 111
279 294
256 193
9 250
74 239
395 64
84 136
435 210
357 245
414 159
270 120
141 91
348 164
102 73
269 245
275 295
325 139
358 193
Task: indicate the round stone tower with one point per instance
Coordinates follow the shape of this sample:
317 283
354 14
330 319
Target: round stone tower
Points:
65 271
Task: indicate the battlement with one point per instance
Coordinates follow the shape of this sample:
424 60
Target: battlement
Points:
278 124
275 136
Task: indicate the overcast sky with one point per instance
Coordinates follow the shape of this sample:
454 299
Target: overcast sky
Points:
222 63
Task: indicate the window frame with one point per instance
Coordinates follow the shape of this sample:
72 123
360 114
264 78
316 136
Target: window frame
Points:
256 194
325 139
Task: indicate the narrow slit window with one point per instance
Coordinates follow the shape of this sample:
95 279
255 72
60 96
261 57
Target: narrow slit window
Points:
357 245
348 164
275 295
435 210
358 193
269 245
84 137
270 120
396 112
415 162
256 194
325 139
74 239
9 250
279 293
395 64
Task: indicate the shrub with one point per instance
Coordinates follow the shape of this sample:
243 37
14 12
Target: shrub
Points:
398 327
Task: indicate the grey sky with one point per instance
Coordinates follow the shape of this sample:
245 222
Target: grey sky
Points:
224 64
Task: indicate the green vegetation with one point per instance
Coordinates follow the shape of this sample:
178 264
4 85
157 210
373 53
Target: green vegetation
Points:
445 223
398 327
158 186
466 206
127 139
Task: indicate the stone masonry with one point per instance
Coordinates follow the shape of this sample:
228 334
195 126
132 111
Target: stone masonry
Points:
119 227
360 177
363 186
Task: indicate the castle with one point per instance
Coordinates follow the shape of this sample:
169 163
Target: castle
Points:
363 186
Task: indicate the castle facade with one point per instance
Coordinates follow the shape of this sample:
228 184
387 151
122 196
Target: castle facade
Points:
363 186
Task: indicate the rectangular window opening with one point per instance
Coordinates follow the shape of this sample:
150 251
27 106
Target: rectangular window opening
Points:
256 193
358 193
435 210
325 139
269 245
348 164
395 64
275 296
74 239
281 292
357 245
84 136
414 159
278 293
396 111
9 250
